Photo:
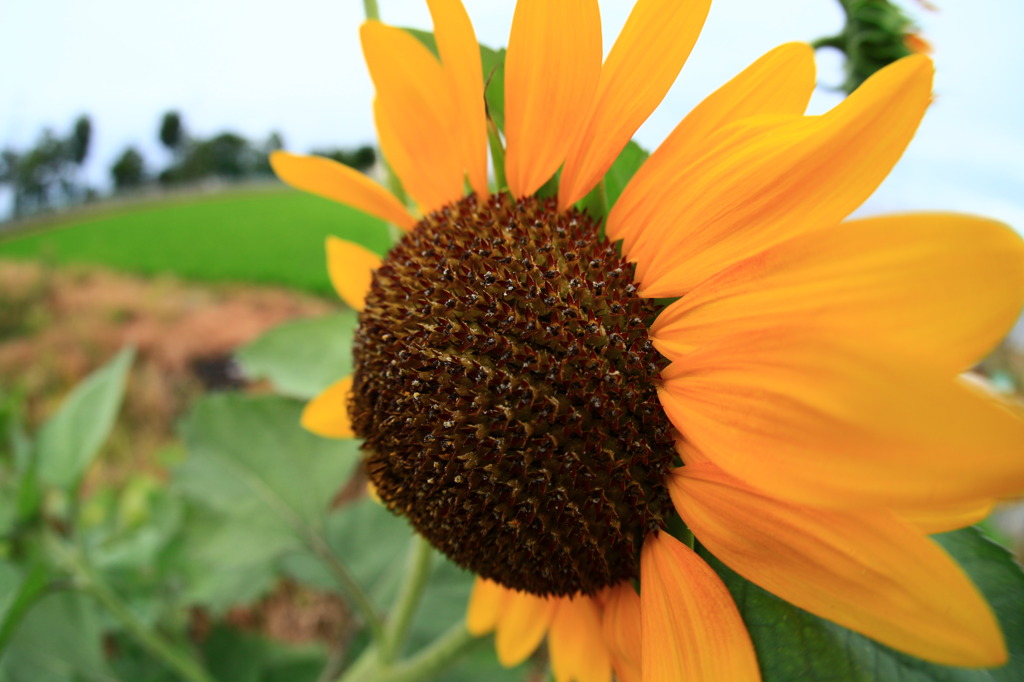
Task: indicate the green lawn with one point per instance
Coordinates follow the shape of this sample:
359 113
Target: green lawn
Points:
274 236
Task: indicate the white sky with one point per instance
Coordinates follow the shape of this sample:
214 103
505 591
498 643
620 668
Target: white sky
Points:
253 66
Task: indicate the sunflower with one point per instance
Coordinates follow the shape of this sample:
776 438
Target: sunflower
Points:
561 403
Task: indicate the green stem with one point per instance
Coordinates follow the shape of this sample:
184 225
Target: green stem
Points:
416 573
372 11
77 565
497 154
350 585
428 664
183 664
436 658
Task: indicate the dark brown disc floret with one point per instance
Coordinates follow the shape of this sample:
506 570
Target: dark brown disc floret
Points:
505 387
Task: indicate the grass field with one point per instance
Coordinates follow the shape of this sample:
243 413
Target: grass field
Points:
272 236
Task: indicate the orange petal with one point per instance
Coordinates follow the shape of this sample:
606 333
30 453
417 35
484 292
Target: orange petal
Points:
415 115
551 73
691 628
621 627
866 571
821 420
779 83
336 181
761 181
460 59
350 267
576 643
327 414
641 67
521 626
943 286
485 604
944 519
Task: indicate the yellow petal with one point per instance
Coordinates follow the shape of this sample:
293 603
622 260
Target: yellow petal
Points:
485 604
576 643
943 519
641 67
761 180
866 571
821 420
350 267
327 414
691 628
460 59
371 492
551 73
416 115
521 626
779 83
336 181
621 627
944 286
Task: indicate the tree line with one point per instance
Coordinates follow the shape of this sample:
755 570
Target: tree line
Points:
48 175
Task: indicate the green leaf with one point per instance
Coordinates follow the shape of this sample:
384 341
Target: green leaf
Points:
261 484
626 165
302 358
235 656
425 37
493 62
793 644
60 640
72 437
370 541
18 594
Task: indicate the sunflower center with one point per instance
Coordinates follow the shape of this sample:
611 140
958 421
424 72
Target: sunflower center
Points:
505 389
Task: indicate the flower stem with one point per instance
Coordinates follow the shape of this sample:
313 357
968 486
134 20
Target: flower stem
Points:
433 660
497 154
416 574
350 585
186 667
372 11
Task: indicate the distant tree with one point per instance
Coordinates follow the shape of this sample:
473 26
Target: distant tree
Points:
81 136
226 155
78 149
172 132
361 158
273 142
38 173
129 170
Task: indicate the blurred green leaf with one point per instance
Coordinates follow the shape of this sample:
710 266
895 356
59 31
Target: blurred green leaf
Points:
261 485
72 437
59 640
482 664
795 645
626 165
493 62
370 541
302 358
136 547
244 657
18 592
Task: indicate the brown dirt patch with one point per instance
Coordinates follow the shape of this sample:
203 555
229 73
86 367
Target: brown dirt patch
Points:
58 325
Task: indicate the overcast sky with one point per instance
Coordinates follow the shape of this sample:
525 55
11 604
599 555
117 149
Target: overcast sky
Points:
295 66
